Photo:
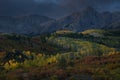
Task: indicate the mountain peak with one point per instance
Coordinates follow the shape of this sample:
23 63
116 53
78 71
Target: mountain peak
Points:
89 9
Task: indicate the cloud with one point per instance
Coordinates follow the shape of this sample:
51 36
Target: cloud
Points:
102 5
11 7
54 8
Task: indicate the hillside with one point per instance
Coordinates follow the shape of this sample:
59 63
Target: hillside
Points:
38 44
89 68
88 55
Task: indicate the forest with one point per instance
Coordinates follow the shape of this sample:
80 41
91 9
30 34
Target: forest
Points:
63 55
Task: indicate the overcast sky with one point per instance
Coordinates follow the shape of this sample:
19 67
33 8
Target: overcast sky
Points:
54 8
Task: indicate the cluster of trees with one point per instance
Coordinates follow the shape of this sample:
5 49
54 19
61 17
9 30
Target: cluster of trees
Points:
60 56
109 38
81 46
66 66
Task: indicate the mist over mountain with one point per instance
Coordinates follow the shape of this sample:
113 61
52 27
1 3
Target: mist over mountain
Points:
89 18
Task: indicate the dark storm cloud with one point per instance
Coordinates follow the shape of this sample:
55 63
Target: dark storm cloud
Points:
12 7
54 8
98 4
22 7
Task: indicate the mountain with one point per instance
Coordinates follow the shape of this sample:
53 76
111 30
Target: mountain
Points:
76 21
114 25
22 24
86 19
89 18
